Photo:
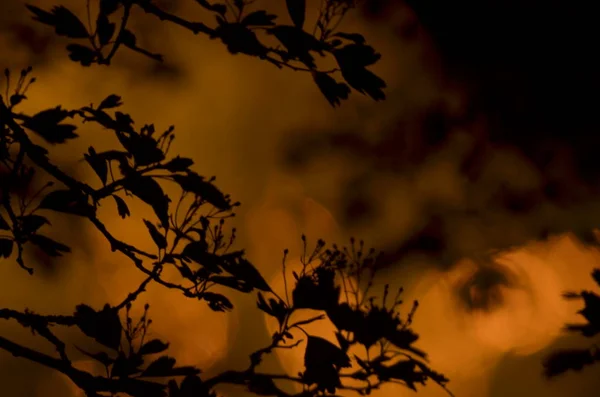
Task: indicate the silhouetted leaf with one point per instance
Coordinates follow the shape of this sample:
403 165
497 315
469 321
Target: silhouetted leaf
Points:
273 308
157 237
82 54
179 164
232 282
128 38
162 366
46 124
108 7
122 208
298 43
31 223
104 29
263 386
144 148
217 302
150 192
98 164
64 21
153 347
6 247
218 8
104 326
297 11
259 18
596 276
246 271
102 357
355 37
352 60
111 101
197 251
192 386
239 39
15 99
194 183
3 224
126 365
67 201
333 91
49 246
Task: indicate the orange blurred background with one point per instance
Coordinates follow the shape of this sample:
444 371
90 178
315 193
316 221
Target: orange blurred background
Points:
237 118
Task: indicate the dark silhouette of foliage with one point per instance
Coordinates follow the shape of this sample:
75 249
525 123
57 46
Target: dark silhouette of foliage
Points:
576 359
243 30
374 342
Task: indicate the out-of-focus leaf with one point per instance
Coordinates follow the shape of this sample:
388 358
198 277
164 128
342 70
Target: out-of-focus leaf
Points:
297 11
157 237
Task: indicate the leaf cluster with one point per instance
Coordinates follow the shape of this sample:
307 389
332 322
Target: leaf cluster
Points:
243 29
